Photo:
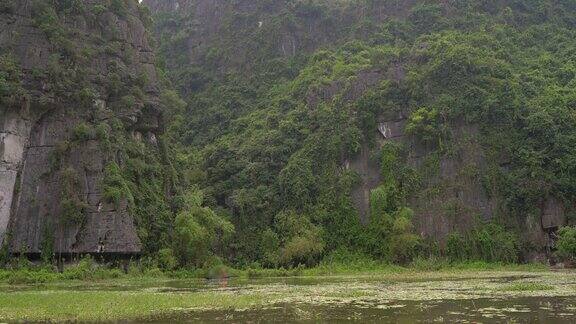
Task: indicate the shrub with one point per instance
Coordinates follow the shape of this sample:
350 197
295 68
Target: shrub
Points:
426 17
73 209
87 269
494 244
297 182
70 6
28 276
301 240
98 9
4 253
404 244
167 260
119 8
270 247
428 264
197 230
425 124
80 271
304 250
214 268
45 18
115 187
566 243
343 260
57 155
47 245
10 81
86 97
83 132
456 249
489 243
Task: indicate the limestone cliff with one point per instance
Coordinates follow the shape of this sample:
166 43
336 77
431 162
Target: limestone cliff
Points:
87 80
219 38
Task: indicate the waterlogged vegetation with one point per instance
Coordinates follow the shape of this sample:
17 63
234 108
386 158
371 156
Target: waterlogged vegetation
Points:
89 291
500 293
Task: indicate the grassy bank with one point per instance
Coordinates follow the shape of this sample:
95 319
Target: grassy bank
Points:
110 305
86 270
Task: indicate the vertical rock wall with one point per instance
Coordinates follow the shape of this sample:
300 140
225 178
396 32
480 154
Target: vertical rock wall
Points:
14 132
38 147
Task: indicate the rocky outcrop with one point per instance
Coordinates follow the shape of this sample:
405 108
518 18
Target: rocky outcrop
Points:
14 132
86 71
246 31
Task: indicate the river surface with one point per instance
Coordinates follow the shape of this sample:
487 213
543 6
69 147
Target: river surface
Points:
515 310
486 298
468 297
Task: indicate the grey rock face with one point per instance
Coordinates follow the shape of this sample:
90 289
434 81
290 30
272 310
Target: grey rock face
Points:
14 132
31 188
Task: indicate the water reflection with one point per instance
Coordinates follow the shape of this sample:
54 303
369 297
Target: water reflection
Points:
518 310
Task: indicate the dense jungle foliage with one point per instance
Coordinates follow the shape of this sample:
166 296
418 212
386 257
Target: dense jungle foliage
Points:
252 170
265 143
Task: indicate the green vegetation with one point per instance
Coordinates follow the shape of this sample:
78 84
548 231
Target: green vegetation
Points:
486 91
11 90
528 286
566 244
150 298
73 207
254 169
198 231
115 186
491 243
112 305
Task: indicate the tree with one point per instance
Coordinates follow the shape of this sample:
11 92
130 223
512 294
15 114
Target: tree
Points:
197 229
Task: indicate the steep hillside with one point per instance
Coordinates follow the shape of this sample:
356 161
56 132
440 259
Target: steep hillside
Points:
81 114
390 127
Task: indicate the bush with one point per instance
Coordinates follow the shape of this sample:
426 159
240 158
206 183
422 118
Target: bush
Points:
167 260
489 243
46 18
214 268
27 276
70 6
115 186
73 211
304 250
87 269
426 17
566 243
80 271
301 240
404 244
197 230
10 81
494 244
425 124
83 132
456 249
119 8
270 247
343 260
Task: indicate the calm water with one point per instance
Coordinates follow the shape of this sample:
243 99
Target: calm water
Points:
440 307
520 310
481 310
